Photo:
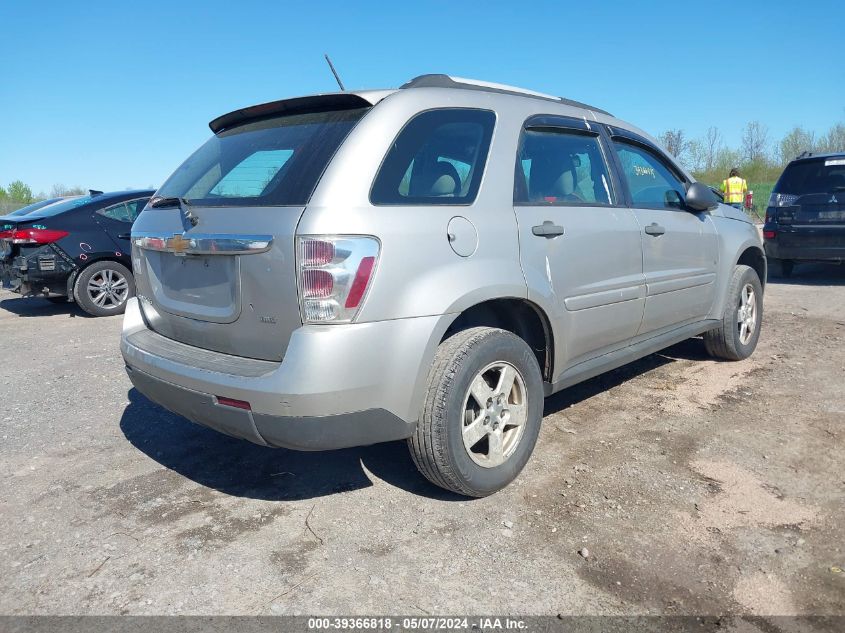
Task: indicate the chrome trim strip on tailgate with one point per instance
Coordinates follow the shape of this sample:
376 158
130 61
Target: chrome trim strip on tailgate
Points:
202 243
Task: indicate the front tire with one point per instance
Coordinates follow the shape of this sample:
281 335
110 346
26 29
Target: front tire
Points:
482 413
103 288
736 338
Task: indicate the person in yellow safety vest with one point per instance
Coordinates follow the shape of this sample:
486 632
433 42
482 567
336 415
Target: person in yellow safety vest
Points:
734 189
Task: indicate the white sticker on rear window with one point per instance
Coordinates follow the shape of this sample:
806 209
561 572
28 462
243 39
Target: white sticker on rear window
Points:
834 161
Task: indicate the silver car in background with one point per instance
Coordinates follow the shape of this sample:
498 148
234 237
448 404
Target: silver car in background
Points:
427 264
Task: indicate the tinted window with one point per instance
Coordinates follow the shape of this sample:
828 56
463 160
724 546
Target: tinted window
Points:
124 211
823 175
651 182
117 212
34 206
135 207
274 162
560 167
61 207
438 158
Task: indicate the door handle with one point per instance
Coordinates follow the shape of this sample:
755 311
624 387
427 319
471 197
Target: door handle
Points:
547 229
655 229
124 236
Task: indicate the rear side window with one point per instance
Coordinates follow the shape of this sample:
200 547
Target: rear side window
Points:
438 158
272 162
823 175
650 181
557 166
125 211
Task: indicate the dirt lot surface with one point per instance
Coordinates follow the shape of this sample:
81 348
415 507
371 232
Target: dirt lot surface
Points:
697 487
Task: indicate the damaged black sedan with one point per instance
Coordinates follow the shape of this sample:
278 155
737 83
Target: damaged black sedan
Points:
76 250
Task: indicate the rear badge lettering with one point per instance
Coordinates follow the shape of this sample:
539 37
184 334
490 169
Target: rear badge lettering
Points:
267 319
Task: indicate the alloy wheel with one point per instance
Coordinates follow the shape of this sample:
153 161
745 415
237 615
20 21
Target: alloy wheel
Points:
495 412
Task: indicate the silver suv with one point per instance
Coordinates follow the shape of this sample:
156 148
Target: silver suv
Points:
426 264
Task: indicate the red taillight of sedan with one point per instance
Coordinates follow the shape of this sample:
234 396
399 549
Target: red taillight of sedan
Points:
33 236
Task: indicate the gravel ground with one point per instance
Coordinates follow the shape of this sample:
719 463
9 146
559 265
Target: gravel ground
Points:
692 487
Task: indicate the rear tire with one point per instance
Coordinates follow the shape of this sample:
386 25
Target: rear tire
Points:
737 336
482 412
781 267
103 288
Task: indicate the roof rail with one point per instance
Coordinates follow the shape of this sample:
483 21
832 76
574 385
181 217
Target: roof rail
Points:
804 154
447 81
94 192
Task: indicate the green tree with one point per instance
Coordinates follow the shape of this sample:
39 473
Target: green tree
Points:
20 192
834 140
60 190
3 193
755 140
797 141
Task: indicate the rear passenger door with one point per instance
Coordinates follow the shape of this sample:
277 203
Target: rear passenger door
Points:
579 243
116 220
680 250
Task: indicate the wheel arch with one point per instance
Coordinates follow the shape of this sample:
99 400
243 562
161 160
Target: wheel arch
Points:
754 257
517 315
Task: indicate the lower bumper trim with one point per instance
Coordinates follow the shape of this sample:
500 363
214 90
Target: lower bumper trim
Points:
305 433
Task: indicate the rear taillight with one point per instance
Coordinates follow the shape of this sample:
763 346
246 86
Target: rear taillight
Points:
782 199
33 236
334 274
769 235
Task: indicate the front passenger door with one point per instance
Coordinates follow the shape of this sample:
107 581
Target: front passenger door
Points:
680 250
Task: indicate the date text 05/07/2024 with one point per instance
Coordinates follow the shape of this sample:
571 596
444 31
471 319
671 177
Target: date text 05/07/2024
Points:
431 623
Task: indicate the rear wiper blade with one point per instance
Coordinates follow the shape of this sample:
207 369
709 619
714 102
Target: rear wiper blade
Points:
182 203
161 201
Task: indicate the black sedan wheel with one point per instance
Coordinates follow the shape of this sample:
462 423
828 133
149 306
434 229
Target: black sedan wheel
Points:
103 288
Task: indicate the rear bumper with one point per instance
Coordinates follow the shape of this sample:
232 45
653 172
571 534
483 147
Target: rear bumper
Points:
818 242
44 274
300 433
338 386
775 250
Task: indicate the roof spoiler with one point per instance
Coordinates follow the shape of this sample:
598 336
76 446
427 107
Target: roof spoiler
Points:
297 105
446 81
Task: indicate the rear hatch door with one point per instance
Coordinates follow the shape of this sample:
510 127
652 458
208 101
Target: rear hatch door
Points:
214 252
810 203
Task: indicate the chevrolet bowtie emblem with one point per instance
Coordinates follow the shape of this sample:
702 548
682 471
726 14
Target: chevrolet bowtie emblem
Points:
178 244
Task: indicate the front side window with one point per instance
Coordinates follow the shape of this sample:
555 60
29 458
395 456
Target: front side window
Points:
650 181
270 162
438 158
558 166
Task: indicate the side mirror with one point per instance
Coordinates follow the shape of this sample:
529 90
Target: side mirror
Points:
701 198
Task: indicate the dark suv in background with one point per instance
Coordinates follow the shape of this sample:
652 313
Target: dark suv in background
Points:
76 250
805 220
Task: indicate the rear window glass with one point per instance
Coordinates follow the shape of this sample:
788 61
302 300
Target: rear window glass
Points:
34 206
438 158
822 175
61 207
273 162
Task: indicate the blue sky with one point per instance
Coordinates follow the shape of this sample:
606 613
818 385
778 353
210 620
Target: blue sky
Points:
116 94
